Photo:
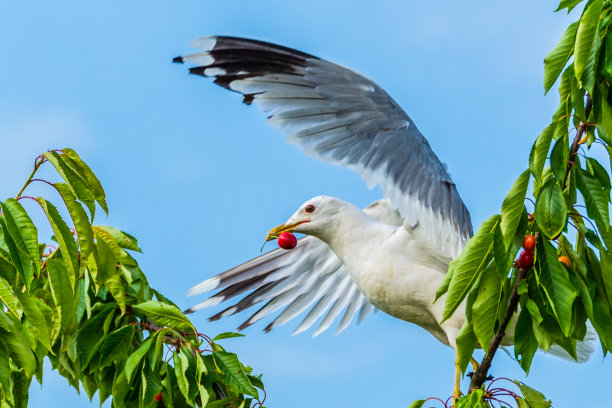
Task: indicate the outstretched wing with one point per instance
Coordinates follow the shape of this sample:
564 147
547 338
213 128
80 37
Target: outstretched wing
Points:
341 117
308 277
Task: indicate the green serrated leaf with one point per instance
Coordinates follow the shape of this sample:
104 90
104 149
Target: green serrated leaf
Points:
553 279
485 307
234 373
163 314
92 334
109 274
470 264
16 343
61 290
79 218
535 398
123 239
78 165
558 57
39 325
559 157
116 345
594 198
75 183
133 360
586 35
227 335
512 208
550 209
539 151
64 237
7 296
417 404
525 342
180 367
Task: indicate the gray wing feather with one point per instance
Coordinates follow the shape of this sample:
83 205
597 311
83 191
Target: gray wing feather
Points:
294 281
339 116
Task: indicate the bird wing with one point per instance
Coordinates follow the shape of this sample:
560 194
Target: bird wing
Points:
310 276
342 117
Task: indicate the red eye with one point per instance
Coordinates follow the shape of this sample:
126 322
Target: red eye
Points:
309 208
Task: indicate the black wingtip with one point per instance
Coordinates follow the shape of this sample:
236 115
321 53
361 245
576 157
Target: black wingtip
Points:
178 60
188 311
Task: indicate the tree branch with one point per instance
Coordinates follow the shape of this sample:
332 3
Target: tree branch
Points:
480 375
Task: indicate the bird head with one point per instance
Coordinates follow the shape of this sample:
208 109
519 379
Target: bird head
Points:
312 218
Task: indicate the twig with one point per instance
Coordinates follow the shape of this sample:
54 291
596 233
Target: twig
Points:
480 375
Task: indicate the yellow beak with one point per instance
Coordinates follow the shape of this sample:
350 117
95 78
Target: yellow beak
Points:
275 232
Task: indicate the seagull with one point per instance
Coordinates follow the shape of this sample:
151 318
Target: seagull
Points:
391 256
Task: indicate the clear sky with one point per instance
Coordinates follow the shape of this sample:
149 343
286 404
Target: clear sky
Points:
200 178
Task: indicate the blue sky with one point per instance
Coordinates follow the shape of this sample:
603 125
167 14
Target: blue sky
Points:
200 178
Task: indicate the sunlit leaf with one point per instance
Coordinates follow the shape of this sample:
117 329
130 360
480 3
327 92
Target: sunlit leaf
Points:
79 218
163 314
550 209
470 264
558 57
234 373
585 38
75 162
485 307
512 208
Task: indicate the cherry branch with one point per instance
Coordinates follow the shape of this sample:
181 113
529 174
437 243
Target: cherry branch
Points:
480 376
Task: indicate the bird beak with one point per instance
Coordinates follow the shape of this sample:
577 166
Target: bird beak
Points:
275 232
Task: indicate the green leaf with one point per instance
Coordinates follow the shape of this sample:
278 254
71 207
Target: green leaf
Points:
539 152
550 209
180 367
472 400
234 373
554 280
512 208
75 183
92 334
17 344
124 239
558 57
151 384
485 307
597 170
535 398
79 218
61 290
569 4
133 360
78 165
23 230
525 342
594 198
469 265
417 404
64 237
20 259
39 325
110 274
116 345
227 335
7 296
559 157
445 282
163 314
585 38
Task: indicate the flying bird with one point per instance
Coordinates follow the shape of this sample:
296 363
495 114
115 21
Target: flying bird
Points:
392 255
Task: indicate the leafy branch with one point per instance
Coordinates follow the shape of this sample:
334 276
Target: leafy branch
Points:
87 307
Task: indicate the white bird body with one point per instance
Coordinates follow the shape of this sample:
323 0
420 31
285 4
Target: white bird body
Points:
394 267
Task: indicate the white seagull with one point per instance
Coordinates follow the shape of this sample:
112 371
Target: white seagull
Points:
394 254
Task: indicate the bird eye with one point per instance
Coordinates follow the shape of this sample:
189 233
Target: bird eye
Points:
309 208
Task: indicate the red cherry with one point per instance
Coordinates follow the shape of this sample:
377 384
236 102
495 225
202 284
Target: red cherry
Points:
287 240
526 259
158 397
529 242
